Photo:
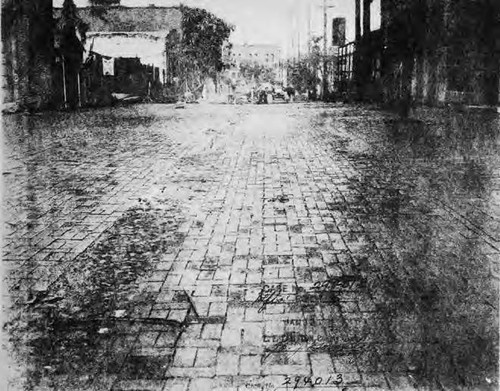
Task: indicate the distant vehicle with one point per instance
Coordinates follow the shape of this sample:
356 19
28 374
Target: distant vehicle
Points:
290 92
263 96
279 93
266 86
265 93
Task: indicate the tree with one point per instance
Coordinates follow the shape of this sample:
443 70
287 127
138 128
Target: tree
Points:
69 24
303 74
202 50
203 39
99 7
257 72
103 3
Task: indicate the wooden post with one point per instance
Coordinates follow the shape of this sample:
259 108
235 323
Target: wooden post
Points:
366 16
79 90
358 20
64 83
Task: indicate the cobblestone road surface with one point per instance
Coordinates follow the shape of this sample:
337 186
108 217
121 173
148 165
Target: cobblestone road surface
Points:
251 248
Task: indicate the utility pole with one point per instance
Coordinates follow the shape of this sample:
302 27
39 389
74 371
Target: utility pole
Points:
309 35
298 43
325 65
324 91
297 26
294 28
290 47
358 21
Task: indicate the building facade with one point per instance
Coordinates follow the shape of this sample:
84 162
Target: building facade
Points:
27 53
141 32
267 56
429 52
442 51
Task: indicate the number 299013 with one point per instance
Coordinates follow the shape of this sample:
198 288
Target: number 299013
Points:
295 382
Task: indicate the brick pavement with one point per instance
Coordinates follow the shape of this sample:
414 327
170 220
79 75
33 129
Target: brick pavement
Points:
311 243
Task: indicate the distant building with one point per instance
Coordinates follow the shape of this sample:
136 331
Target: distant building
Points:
267 55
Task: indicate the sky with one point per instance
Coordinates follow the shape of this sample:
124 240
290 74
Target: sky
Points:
278 22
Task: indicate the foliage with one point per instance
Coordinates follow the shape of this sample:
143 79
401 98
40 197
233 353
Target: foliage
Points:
98 7
257 72
69 23
10 10
204 36
104 3
303 74
14 10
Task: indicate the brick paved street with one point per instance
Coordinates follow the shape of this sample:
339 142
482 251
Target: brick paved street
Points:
250 247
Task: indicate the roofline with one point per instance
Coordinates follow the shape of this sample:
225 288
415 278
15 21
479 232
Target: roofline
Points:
157 35
257 44
123 6
152 32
